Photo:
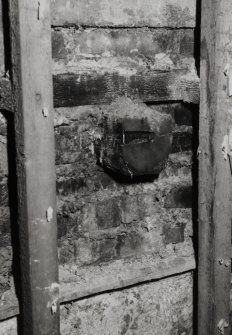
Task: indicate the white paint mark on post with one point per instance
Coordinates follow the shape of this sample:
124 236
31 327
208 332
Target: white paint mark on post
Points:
222 325
54 286
230 143
45 112
49 214
225 146
54 307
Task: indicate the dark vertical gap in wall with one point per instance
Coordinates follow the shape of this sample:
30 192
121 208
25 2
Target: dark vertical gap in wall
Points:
12 191
195 170
195 144
12 176
197 36
6 31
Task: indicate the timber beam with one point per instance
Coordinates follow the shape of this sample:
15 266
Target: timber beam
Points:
35 155
215 179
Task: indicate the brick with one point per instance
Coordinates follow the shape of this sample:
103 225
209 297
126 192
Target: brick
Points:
6 268
5 226
108 214
58 46
66 251
67 145
184 114
3 124
4 284
175 234
106 249
186 45
93 251
182 141
3 193
103 180
129 209
88 217
94 248
70 185
4 159
179 197
147 205
129 244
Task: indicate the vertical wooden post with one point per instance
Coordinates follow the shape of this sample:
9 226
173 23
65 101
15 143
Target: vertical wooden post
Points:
215 187
32 85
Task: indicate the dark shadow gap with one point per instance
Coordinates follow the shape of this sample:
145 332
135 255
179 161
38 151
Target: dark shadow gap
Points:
197 37
11 152
6 35
127 180
195 168
195 172
12 194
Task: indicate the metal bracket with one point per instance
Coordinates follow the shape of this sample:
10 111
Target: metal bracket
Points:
226 262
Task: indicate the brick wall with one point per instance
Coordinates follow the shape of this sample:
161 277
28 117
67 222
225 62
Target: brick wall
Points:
117 229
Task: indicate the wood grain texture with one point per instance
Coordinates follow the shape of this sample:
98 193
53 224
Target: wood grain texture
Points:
124 13
215 189
35 154
120 275
73 89
134 56
95 66
77 283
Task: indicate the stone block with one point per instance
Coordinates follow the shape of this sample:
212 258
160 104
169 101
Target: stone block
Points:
3 124
67 142
88 217
175 234
129 209
69 185
3 193
179 197
183 114
108 214
5 226
95 251
6 268
130 244
182 141
3 155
